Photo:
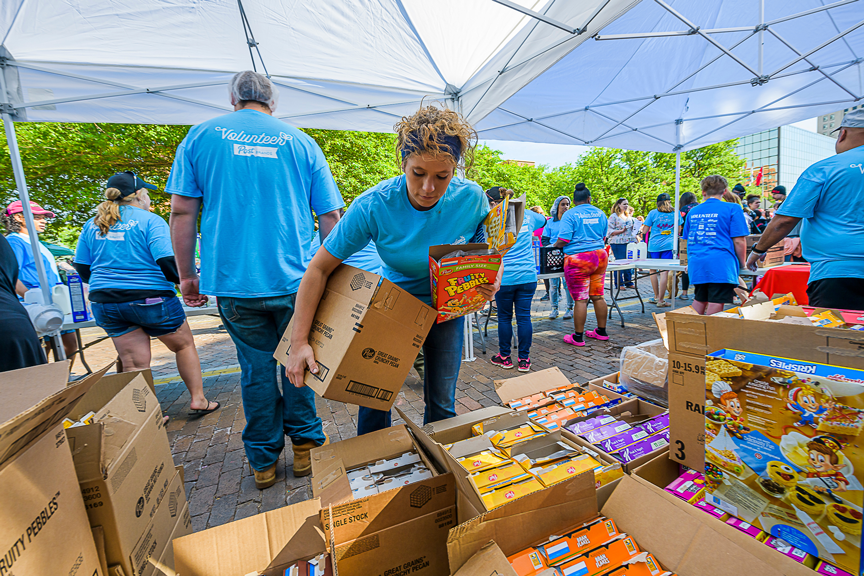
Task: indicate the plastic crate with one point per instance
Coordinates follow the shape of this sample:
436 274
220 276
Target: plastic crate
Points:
551 260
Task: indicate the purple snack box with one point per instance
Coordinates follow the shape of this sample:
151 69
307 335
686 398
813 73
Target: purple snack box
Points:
580 428
607 431
643 447
655 424
621 440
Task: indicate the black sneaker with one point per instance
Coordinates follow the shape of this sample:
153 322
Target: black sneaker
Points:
545 298
501 361
524 365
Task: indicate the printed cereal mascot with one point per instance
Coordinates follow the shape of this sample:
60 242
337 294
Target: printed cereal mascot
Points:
823 457
730 404
804 400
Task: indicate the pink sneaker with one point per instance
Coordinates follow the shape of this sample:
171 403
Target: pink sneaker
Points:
568 339
593 334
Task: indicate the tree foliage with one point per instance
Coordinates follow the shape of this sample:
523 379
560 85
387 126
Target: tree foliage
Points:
67 165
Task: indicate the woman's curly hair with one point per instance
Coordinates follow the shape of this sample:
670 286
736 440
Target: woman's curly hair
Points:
433 130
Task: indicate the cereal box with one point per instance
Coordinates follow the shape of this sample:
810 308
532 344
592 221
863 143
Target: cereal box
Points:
601 560
503 222
783 441
455 271
790 551
827 569
528 562
689 487
596 534
641 567
504 494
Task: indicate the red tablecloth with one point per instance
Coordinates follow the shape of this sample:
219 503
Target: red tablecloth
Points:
785 279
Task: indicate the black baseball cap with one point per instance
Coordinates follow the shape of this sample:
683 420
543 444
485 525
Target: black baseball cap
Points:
664 198
128 183
739 189
779 190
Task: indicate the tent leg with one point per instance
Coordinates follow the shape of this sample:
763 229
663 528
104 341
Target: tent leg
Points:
677 212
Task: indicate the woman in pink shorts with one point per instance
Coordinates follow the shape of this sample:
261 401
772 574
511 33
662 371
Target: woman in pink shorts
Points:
581 234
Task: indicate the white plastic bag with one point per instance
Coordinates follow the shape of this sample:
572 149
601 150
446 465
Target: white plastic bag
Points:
644 371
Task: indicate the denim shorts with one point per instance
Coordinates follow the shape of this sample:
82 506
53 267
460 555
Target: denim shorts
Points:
156 316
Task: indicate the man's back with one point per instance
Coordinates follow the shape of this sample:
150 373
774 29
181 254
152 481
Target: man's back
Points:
259 180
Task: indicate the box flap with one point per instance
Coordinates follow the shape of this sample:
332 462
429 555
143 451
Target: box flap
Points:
360 450
252 544
526 521
488 561
660 320
102 393
432 448
397 305
21 429
353 283
438 252
331 484
471 446
85 443
459 427
531 383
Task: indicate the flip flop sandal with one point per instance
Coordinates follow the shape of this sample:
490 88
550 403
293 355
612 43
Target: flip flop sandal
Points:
208 410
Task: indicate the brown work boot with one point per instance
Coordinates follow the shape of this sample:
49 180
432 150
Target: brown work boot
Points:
302 462
265 478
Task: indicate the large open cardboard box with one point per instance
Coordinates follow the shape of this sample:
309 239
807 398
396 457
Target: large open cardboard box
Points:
691 337
125 469
262 544
45 528
683 538
366 334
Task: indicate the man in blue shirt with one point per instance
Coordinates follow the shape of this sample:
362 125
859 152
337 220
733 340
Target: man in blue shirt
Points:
582 233
256 178
829 198
716 234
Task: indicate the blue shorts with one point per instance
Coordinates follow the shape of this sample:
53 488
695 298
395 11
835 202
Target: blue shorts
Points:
664 255
156 316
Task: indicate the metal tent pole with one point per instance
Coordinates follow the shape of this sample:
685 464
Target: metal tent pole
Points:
678 123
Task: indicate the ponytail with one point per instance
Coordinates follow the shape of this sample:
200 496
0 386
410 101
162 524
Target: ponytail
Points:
108 212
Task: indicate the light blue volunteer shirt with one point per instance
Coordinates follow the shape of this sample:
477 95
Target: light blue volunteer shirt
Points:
662 226
125 258
519 265
403 234
829 196
27 265
259 180
584 226
366 259
709 229
552 228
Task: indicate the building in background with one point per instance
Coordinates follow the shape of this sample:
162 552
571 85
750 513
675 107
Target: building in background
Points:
827 123
519 162
782 154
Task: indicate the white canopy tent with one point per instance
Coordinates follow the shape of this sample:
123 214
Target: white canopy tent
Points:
664 75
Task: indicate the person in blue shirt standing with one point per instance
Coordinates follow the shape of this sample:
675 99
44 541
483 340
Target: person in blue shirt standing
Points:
125 254
582 233
518 284
550 235
255 180
716 233
661 223
829 199
426 206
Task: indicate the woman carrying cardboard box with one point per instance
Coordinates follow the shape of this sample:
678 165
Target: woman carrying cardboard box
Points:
426 206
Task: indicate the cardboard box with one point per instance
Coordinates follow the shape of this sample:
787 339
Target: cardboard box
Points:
45 528
401 531
124 466
262 544
785 435
165 564
774 256
488 561
366 335
330 463
691 337
454 279
684 539
682 251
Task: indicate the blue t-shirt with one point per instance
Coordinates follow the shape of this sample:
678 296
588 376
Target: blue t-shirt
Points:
403 234
27 273
829 196
125 258
519 265
259 179
709 229
366 259
662 226
551 229
584 227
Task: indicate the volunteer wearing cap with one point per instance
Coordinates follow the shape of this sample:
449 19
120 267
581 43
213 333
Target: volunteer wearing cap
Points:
828 199
426 206
739 191
581 234
19 240
660 223
257 181
518 284
124 253
779 195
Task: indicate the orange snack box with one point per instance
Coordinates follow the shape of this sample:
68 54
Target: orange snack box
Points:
455 279
601 560
529 562
505 494
533 401
648 567
553 420
544 410
586 538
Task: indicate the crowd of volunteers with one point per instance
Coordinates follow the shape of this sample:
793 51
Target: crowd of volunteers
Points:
258 186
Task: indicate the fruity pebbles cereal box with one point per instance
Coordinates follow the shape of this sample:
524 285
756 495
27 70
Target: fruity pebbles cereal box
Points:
455 271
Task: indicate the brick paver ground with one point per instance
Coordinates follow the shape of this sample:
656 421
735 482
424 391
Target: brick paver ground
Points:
219 483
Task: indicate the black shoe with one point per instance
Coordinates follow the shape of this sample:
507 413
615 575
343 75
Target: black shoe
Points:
545 298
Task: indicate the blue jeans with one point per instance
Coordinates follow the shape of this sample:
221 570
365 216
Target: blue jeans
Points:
255 326
622 276
442 352
156 316
555 283
517 296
